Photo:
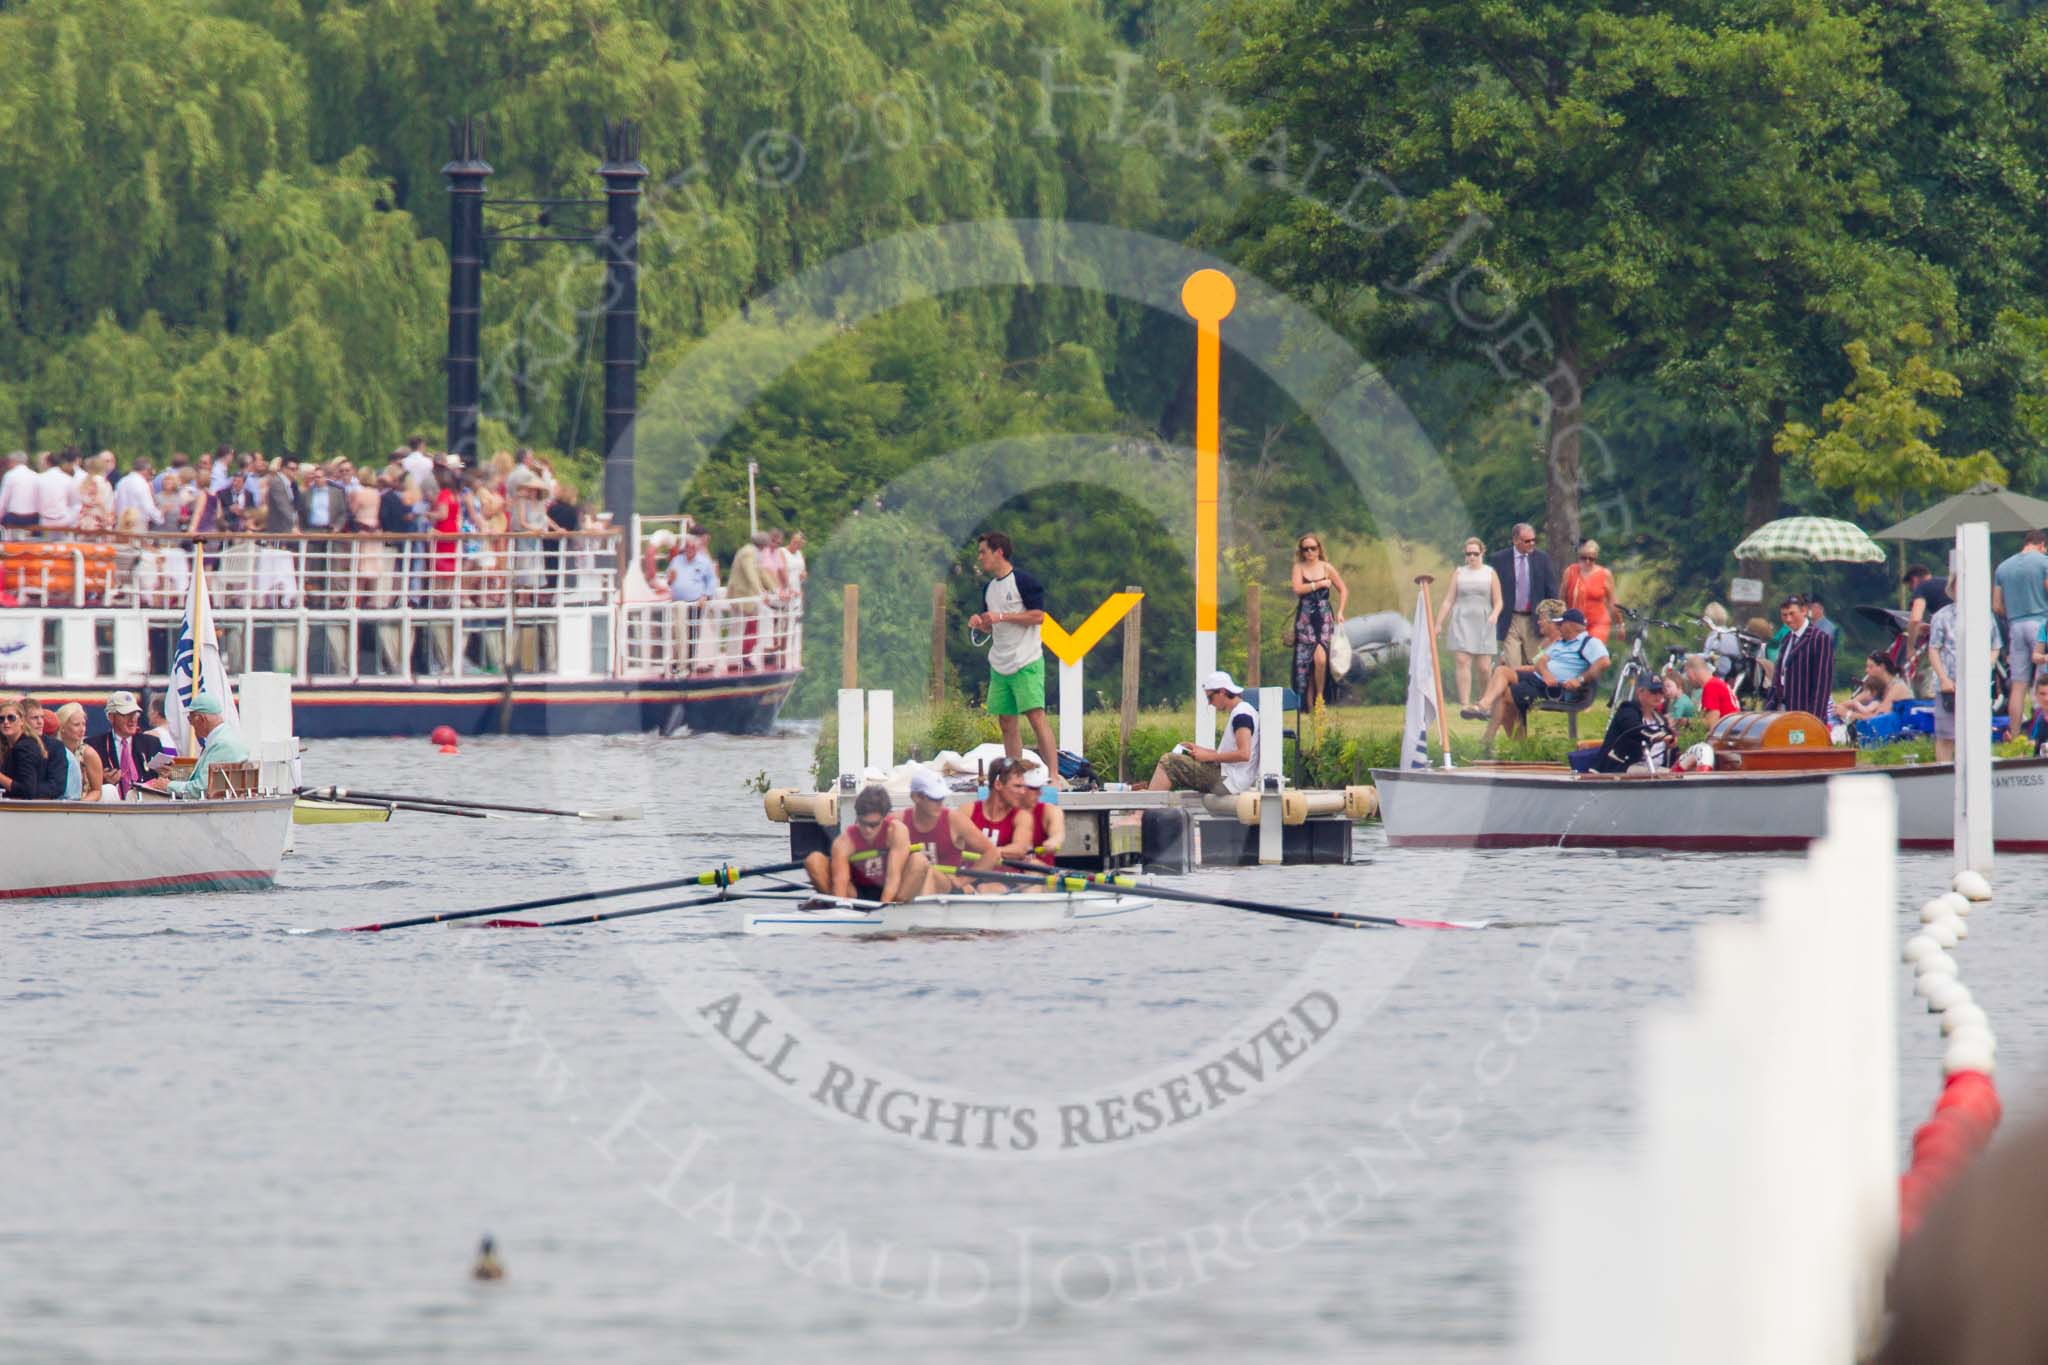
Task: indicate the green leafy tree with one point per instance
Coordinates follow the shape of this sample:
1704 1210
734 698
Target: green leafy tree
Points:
1879 448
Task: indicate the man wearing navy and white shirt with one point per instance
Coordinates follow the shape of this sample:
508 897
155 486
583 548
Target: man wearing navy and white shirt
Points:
1220 772
1016 661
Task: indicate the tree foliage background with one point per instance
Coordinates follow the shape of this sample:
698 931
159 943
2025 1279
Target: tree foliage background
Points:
1606 255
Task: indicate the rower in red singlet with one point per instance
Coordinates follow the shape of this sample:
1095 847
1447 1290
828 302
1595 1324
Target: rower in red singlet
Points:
947 838
872 858
1014 822
1048 821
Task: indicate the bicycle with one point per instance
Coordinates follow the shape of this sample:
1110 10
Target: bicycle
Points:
1638 661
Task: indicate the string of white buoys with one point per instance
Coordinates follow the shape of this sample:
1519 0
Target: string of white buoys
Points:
1968 1109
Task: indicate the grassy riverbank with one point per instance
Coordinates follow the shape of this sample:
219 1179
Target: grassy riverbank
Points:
1343 745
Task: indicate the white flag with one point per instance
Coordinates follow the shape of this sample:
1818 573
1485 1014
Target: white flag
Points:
196 664
1421 691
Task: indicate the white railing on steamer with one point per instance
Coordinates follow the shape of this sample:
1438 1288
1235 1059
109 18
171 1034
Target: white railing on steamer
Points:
716 636
330 572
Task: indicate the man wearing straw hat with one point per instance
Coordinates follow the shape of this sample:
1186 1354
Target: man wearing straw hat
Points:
220 743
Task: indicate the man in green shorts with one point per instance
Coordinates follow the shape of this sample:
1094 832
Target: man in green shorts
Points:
1016 660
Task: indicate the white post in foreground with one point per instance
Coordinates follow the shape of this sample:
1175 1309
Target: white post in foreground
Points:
1205 664
1271 816
1073 738
1972 567
881 729
1759 1212
852 756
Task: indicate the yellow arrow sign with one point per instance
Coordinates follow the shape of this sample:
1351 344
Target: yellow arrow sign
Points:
1069 649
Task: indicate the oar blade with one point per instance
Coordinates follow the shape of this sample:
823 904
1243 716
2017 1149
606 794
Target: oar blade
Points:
613 813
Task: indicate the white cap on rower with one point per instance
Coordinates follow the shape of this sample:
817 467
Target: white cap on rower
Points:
1034 776
928 784
1222 681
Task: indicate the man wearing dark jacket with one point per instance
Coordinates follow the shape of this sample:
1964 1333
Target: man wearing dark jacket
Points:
1525 579
124 750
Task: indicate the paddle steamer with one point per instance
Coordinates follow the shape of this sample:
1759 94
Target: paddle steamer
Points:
398 635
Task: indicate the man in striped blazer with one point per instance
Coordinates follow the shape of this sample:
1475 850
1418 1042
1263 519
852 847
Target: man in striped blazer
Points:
1805 676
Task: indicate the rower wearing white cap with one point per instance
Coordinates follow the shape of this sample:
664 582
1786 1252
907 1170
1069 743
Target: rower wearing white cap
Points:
1047 822
946 837
1233 768
220 742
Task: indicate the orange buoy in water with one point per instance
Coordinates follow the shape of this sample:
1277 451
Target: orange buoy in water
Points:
444 735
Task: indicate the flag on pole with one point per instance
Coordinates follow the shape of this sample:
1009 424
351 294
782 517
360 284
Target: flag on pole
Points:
1421 691
196 665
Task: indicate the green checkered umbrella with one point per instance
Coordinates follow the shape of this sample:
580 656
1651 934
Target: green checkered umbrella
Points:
1814 539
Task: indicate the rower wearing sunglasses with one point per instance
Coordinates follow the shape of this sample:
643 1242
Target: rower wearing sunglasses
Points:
872 858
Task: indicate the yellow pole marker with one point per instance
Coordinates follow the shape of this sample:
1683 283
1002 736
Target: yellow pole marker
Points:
1069 650
1208 296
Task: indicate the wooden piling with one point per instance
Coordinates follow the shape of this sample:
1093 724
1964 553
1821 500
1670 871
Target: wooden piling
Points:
849 639
938 644
1127 720
1251 634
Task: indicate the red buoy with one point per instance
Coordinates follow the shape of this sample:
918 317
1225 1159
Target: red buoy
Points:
444 735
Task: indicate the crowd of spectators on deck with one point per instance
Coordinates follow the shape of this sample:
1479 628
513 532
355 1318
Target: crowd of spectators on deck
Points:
474 532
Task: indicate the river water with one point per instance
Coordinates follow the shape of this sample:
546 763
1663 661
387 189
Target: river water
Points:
1202 1135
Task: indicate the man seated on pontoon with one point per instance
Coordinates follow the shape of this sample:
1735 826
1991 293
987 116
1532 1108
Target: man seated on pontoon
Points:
872 859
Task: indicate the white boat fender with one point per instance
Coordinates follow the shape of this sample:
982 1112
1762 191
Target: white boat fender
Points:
1293 806
1920 946
1972 885
1959 925
1967 1014
1974 1036
1945 994
1968 1055
1938 908
1943 931
1956 902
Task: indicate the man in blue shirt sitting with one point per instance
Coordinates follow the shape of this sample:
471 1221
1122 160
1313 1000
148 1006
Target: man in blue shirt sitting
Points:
1565 671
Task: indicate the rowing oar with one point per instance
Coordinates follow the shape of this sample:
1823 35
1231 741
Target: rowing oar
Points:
381 798
1351 919
720 877
608 915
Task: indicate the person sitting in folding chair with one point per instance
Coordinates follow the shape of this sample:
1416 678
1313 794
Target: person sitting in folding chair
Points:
1565 671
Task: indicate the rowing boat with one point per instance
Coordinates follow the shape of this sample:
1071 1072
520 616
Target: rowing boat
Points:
1027 911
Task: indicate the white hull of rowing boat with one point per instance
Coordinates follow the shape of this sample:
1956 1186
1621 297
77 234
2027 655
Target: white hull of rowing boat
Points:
130 848
1482 808
1029 911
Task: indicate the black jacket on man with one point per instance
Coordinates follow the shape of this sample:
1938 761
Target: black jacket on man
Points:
147 746
28 770
1542 584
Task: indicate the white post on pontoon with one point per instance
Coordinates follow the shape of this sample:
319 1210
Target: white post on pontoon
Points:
1270 810
753 516
1972 566
881 729
1073 737
852 756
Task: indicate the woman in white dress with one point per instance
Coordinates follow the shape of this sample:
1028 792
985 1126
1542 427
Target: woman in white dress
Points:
1471 608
